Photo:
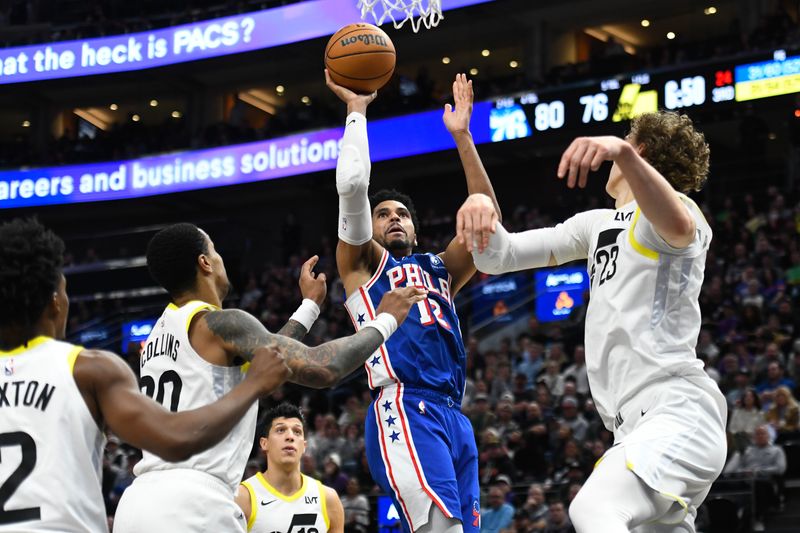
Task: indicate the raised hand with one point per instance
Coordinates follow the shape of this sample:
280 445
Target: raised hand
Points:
355 102
585 154
456 120
397 302
312 286
475 222
268 369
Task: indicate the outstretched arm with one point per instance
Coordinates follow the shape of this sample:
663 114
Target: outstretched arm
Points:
510 252
112 394
313 289
239 334
357 255
457 257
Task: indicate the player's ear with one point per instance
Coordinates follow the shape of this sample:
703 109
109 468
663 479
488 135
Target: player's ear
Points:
204 264
263 442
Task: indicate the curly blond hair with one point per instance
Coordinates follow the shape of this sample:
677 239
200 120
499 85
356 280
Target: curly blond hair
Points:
674 148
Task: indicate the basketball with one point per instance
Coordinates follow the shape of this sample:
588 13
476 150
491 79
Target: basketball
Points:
360 57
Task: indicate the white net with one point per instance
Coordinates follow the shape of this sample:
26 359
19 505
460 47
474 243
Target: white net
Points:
419 12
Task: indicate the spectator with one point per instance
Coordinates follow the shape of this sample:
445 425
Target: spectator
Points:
740 385
356 509
333 476
480 415
765 462
572 418
775 379
745 418
578 371
552 378
536 508
499 514
783 414
557 520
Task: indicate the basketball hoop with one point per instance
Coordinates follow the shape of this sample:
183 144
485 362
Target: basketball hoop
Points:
419 12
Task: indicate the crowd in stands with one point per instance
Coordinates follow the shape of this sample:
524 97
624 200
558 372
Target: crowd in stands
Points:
528 397
406 92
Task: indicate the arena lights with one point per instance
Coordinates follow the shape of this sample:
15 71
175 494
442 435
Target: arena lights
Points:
485 52
113 107
153 103
280 89
176 114
136 118
473 72
710 10
26 123
513 64
670 35
306 100
645 23
446 60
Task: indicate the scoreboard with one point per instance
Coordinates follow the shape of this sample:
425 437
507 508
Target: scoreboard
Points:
623 97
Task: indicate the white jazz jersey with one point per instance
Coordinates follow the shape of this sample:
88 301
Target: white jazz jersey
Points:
643 317
51 450
179 379
305 511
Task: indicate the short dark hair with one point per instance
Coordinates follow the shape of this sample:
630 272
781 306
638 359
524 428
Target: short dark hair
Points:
31 257
172 256
392 194
283 410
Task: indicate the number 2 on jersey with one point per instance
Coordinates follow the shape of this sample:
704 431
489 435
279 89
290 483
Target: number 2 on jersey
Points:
7 488
430 309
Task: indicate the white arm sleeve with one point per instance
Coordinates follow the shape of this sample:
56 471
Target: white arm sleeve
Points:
510 252
352 182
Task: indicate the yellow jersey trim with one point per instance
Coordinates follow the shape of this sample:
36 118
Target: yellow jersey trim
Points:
33 343
72 356
680 501
204 307
172 307
598 461
639 247
629 465
280 495
253 506
323 496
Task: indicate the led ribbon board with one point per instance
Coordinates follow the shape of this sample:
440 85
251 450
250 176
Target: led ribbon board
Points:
227 165
768 78
180 44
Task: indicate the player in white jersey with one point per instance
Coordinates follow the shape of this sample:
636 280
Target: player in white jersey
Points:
646 262
196 352
283 499
56 399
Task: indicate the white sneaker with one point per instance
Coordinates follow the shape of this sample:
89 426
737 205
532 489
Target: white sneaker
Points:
758 525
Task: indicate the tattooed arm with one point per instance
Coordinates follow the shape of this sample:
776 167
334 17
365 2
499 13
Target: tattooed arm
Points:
313 288
239 334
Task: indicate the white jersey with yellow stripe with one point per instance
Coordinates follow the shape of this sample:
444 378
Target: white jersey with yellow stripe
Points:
305 511
177 377
51 450
643 317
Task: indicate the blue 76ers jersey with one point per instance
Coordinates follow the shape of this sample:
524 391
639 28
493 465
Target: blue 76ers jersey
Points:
427 351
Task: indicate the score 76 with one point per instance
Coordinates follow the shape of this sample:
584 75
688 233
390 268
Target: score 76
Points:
595 107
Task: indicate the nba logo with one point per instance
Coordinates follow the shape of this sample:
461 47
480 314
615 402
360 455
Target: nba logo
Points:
421 407
8 367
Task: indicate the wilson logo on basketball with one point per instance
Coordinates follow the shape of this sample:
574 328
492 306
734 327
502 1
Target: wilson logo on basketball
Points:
365 38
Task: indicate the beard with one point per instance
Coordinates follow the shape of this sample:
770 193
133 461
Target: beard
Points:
398 246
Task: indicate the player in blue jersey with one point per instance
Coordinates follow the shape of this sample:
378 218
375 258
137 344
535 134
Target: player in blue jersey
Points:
421 448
